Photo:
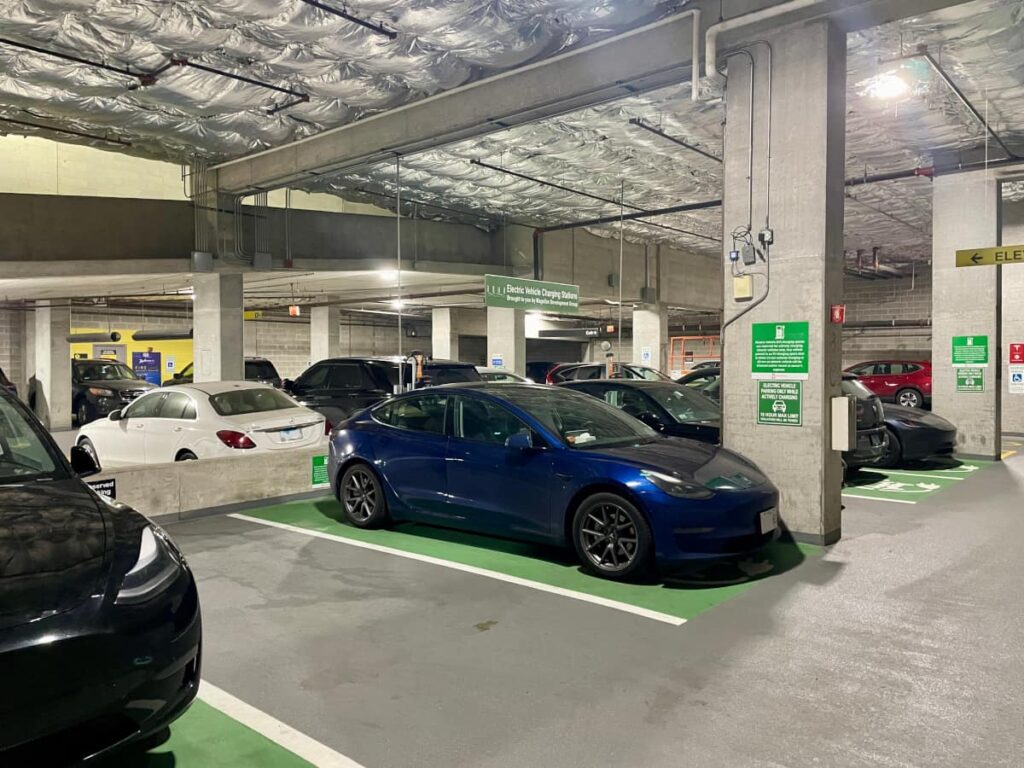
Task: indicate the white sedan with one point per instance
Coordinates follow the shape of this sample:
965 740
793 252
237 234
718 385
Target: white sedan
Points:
201 421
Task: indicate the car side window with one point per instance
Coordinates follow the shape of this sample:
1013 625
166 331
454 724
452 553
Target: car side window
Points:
425 413
483 421
145 407
314 378
174 406
911 368
345 376
863 370
589 372
882 369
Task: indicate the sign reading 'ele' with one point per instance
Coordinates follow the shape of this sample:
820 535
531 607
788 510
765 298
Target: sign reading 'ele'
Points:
519 293
988 257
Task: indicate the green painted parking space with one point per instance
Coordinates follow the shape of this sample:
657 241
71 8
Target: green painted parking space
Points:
910 486
683 595
205 737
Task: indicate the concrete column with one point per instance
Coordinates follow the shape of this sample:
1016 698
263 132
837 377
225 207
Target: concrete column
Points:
506 338
1013 315
965 214
806 215
445 333
52 385
324 333
650 336
217 336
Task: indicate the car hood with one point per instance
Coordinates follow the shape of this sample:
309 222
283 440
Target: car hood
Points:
120 385
53 545
699 462
916 415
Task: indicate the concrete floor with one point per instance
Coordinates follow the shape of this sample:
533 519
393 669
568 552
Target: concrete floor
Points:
899 647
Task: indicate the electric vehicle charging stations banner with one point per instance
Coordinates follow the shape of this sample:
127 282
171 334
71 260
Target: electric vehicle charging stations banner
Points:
519 293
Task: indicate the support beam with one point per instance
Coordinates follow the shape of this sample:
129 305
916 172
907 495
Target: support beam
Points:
51 389
445 341
218 327
648 57
1013 317
324 332
506 339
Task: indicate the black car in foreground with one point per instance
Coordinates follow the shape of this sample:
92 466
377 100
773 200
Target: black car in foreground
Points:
99 387
99 617
665 406
341 386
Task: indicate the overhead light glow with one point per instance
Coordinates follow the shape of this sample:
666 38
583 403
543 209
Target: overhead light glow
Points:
888 86
398 303
388 274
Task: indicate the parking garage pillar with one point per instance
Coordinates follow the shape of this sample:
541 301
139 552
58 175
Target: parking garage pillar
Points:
444 333
51 389
1013 320
965 214
784 425
324 333
217 336
506 339
650 336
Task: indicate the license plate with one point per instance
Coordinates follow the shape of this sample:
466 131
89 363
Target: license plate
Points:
769 520
287 435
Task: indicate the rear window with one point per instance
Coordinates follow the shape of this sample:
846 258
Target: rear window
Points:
104 372
436 375
257 400
260 369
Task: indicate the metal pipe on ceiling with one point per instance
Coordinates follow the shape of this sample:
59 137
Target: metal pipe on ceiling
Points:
162 335
682 208
639 122
67 131
94 338
380 29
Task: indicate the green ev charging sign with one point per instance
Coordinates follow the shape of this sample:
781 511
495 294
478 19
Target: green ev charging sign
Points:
780 403
970 379
779 350
319 475
519 293
970 351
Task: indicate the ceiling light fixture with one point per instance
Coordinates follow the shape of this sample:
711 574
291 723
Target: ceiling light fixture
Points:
888 86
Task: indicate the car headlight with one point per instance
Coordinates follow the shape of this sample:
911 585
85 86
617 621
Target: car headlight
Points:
101 392
155 568
677 487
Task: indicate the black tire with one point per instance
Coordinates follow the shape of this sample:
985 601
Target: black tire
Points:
893 453
82 413
86 445
362 497
909 398
186 456
612 538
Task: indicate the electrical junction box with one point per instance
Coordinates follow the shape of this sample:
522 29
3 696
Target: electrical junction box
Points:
649 295
749 255
844 423
743 288
613 280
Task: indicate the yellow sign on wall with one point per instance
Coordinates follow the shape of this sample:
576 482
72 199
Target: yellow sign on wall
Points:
176 354
252 314
990 257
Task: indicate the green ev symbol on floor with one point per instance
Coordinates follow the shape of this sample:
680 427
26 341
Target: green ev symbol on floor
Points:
895 486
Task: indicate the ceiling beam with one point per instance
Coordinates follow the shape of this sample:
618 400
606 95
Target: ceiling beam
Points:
651 56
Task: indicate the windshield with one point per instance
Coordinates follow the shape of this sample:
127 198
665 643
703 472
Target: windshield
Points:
648 374
683 404
23 453
581 421
238 402
187 370
104 372
856 389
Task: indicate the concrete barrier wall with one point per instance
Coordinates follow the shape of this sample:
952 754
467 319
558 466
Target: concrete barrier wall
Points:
187 488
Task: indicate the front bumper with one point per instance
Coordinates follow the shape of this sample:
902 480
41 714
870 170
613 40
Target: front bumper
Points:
103 682
926 442
726 525
871 447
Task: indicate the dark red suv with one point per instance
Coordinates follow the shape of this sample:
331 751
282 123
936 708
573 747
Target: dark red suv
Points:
904 382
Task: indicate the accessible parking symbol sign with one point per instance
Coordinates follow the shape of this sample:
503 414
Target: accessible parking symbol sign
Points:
780 403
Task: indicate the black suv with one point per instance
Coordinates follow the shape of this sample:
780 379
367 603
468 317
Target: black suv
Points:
101 386
256 369
341 386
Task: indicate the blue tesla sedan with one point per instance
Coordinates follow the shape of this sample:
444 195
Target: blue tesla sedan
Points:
550 465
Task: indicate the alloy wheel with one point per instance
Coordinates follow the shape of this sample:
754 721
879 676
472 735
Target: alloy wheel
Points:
909 399
360 495
609 537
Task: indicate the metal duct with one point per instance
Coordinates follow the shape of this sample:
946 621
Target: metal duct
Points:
93 338
162 335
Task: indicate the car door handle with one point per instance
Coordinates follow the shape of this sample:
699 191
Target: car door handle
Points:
563 476
178 429
139 426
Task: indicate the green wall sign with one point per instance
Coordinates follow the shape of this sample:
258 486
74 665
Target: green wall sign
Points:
319 475
780 403
779 350
970 379
519 293
970 351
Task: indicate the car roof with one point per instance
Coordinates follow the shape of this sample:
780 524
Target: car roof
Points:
395 359
217 387
637 383
96 360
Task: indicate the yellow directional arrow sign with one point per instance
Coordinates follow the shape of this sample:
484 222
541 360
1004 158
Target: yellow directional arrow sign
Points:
989 257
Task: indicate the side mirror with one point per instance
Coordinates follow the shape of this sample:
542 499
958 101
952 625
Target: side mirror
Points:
651 421
287 385
520 441
176 376
116 415
82 462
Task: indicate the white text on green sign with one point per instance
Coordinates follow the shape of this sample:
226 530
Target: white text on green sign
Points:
320 474
970 351
970 379
779 350
988 257
780 403
519 293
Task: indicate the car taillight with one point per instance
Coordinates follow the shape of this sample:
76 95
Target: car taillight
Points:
328 426
233 439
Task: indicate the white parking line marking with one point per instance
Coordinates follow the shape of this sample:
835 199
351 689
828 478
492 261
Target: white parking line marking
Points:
932 474
283 735
539 586
847 495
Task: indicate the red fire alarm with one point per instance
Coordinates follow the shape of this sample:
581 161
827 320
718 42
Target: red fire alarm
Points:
838 314
294 310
